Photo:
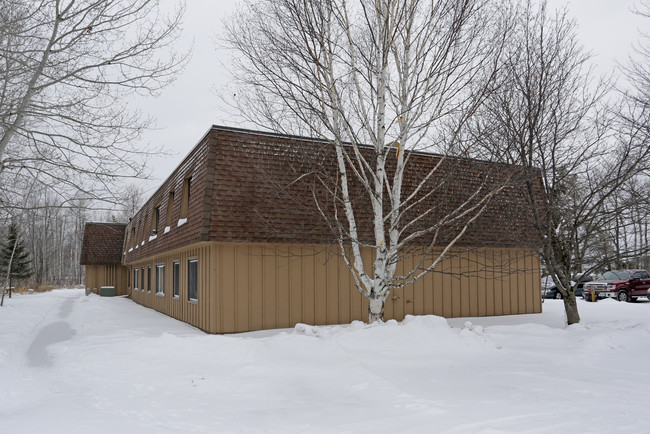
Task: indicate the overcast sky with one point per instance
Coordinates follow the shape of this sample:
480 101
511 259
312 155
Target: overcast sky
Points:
186 110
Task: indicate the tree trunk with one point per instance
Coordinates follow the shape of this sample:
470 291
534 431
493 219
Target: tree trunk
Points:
376 309
571 309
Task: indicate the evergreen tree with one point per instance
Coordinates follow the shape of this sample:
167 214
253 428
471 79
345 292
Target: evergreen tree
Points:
14 252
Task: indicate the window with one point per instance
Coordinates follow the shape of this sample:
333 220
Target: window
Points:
148 279
176 271
160 279
155 220
170 205
128 277
192 279
135 278
142 278
144 227
187 185
133 238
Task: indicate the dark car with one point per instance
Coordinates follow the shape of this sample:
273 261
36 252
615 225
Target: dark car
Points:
553 292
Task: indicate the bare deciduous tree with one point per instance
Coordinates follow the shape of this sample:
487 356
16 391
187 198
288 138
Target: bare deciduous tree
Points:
66 67
548 113
396 76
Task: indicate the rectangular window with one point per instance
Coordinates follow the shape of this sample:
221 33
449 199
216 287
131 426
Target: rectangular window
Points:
144 227
176 278
142 278
192 279
135 278
185 203
133 238
148 279
154 221
128 277
160 279
170 205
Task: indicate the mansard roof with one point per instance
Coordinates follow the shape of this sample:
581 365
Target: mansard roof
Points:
251 186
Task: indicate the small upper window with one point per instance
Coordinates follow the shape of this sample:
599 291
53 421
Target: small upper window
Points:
170 205
155 220
144 227
185 203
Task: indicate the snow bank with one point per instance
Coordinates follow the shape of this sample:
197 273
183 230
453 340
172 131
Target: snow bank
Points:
76 364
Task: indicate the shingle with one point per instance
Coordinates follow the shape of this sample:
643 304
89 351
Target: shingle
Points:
252 186
102 244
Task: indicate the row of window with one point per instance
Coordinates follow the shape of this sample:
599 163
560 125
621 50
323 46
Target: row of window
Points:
138 236
192 279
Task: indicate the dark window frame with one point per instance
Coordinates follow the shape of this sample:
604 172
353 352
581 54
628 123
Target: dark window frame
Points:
155 220
193 281
160 279
176 279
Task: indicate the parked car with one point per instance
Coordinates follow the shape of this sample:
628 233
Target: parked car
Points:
623 285
552 291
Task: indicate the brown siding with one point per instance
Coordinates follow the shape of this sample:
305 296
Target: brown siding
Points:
247 286
195 313
107 275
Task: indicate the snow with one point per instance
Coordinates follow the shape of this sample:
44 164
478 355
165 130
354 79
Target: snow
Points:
181 222
73 363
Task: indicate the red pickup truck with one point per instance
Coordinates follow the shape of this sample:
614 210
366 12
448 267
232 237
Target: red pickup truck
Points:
624 285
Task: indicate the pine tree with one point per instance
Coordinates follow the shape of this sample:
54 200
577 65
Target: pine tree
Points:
14 252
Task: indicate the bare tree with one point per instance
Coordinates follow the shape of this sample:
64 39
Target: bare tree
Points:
131 200
548 113
638 74
375 80
66 68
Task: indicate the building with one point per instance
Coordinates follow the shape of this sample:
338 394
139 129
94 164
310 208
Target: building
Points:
230 242
101 253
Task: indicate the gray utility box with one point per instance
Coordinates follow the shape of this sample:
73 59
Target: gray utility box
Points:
107 291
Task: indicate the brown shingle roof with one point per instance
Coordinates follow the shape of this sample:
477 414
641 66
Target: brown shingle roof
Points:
102 244
251 186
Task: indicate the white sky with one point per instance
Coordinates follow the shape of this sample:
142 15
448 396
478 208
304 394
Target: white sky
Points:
186 110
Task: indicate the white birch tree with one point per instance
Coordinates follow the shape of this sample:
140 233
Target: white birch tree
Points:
395 75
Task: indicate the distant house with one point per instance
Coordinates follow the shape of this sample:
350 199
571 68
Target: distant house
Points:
229 243
101 253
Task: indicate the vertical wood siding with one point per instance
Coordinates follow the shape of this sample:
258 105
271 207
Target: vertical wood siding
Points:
196 313
107 275
247 286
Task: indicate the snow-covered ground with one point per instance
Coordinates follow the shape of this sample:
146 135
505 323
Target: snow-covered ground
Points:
71 364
